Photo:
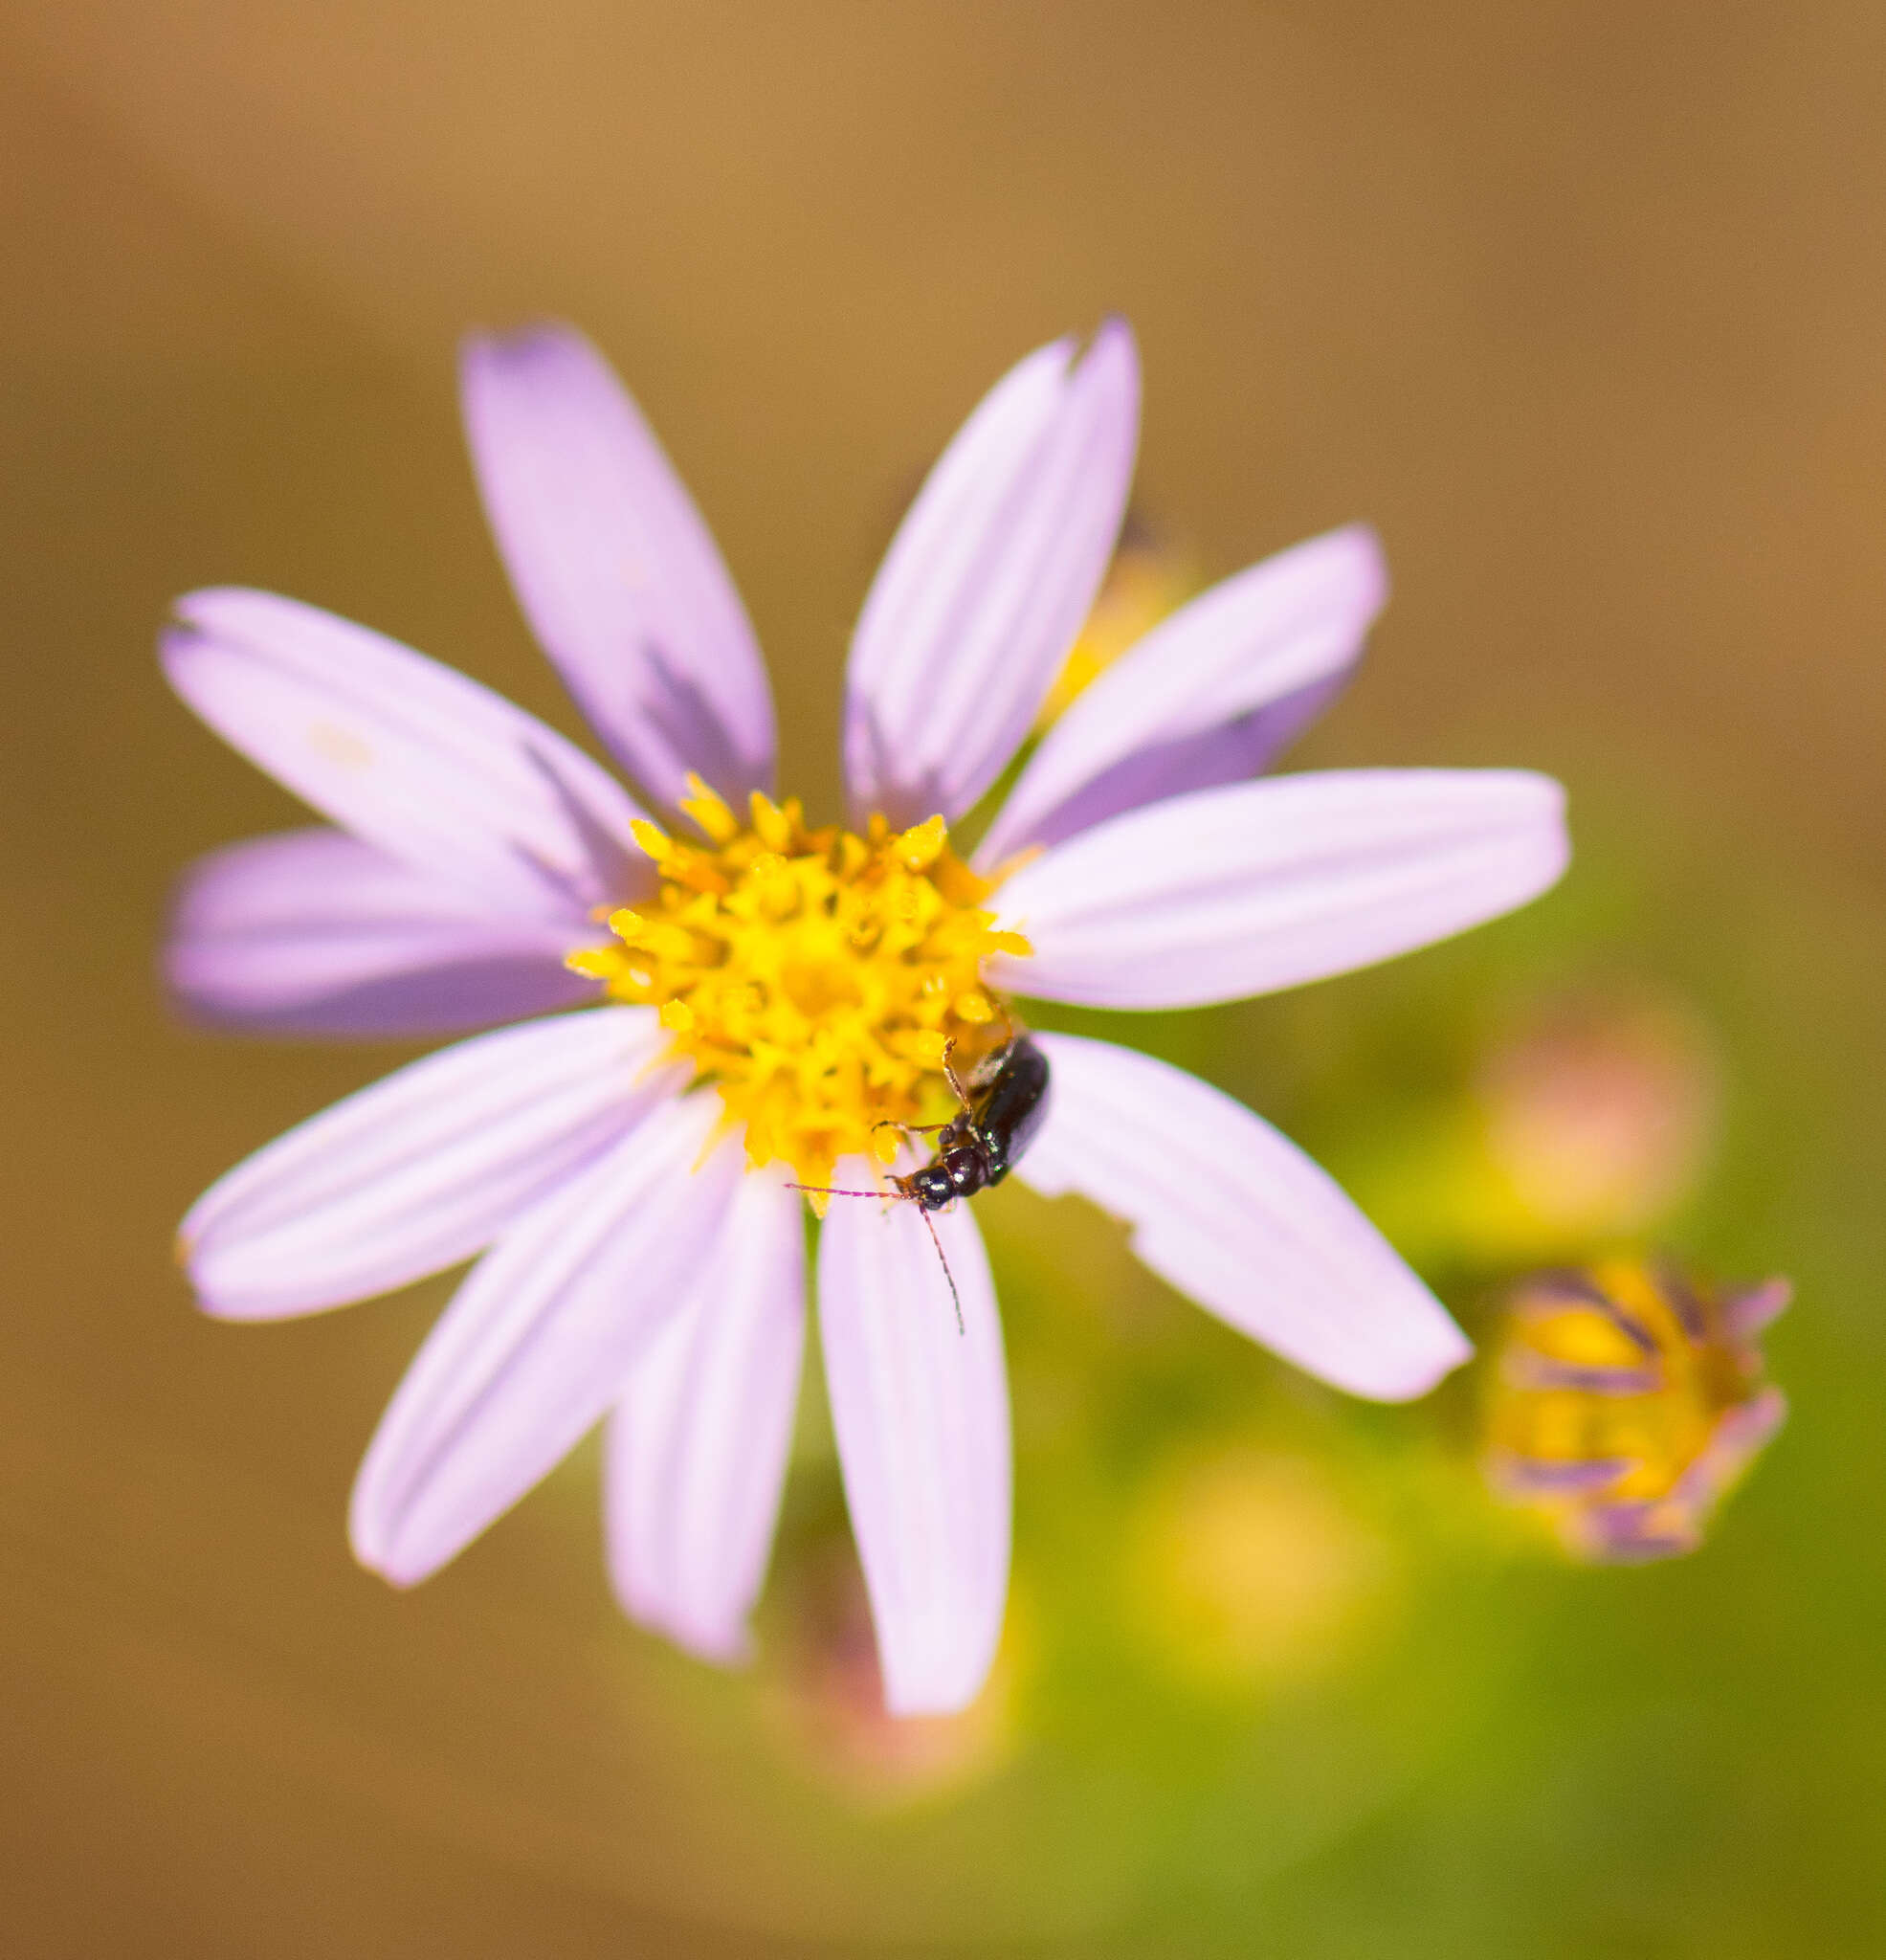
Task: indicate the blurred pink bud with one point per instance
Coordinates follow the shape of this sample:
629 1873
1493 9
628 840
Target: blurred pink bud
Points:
1600 1111
830 1694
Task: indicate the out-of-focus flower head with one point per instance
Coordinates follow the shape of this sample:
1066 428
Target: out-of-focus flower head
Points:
1599 1110
826 1689
1626 1400
1251 1567
1588 1116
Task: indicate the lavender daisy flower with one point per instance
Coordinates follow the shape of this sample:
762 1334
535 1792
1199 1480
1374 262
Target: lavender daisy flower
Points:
766 994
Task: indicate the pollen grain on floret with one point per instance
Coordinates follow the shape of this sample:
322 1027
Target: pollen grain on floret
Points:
815 977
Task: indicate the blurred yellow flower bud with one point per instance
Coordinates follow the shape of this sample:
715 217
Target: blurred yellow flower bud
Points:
1626 1400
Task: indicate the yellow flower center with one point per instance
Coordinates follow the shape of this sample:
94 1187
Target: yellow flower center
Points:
813 976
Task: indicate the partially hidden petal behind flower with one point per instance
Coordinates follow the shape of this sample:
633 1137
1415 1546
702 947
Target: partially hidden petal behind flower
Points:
540 1339
439 772
988 579
1256 887
614 567
424 1167
1234 1215
696 1452
921 1416
313 932
1209 696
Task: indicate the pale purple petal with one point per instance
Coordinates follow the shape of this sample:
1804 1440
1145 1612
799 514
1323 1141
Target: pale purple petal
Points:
1209 696
988 580
1531 1476
540 1339
313 932
1628 1533
1260 886
696 1452
1740 1436
921 1416
1749 1309
612 565
423 1168
1540 1371
1236 1217
439 772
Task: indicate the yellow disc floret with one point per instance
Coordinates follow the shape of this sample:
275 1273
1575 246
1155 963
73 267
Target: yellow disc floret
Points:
813 976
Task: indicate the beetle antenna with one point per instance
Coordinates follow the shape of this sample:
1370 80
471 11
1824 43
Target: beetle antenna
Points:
832 1192
955 1298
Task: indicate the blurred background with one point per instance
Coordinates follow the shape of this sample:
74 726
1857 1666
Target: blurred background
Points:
1582 304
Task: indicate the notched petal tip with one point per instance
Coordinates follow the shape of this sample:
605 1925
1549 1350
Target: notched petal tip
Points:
1110 365
374 1558
1113 339
186 1252
1368 562
177 640
371 1538
543 330
206 612
495 354
612 565
989 578
196 607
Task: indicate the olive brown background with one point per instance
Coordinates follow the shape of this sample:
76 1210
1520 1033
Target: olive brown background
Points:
1583 304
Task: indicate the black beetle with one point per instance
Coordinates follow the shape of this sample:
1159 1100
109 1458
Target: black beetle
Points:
1004 1105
